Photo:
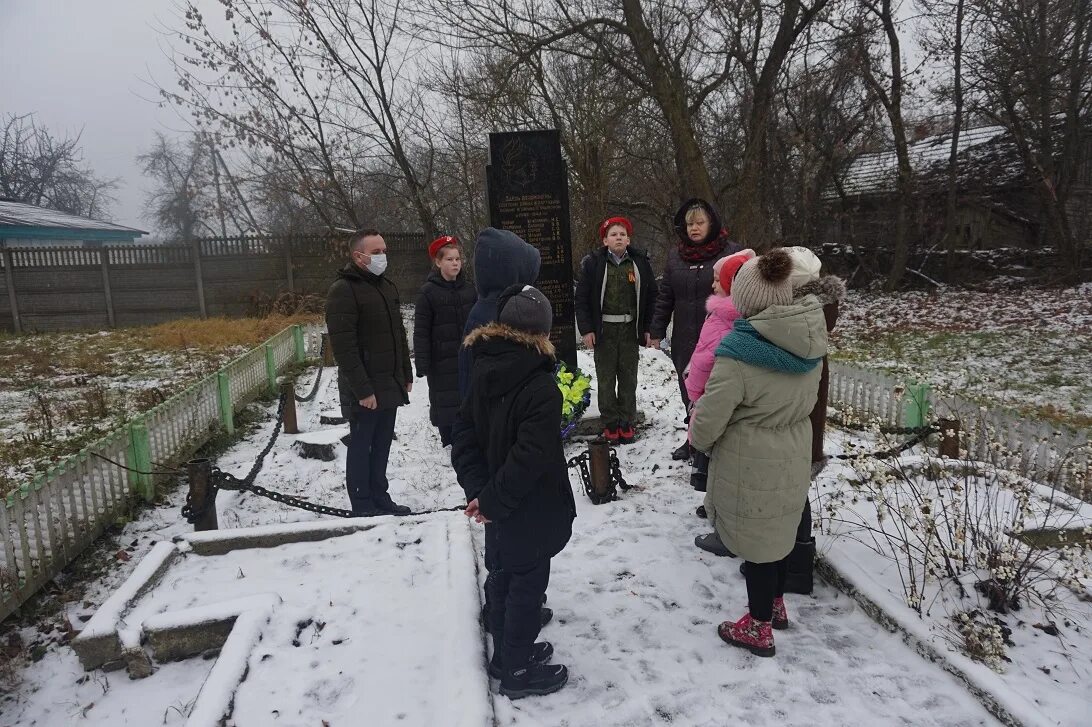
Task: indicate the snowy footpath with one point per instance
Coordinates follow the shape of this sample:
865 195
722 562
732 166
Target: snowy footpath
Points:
636 608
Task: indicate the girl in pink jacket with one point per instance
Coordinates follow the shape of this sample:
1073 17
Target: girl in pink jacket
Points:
718 324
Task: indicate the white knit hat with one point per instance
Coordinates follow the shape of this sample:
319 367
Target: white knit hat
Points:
805 266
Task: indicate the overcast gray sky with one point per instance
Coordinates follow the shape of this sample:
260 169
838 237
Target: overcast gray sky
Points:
84 64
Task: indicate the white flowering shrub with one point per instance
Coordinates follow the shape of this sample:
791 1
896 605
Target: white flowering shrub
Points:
957 528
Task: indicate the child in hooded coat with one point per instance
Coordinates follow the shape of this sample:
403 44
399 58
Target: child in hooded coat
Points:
508 455
754 420
718 323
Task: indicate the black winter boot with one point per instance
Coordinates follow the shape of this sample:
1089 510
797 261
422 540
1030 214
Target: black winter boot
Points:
801 564
533 680
541 653
682 453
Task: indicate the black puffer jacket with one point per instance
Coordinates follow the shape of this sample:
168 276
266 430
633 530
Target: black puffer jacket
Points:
589 293
686 286
368 339
438 321
507 449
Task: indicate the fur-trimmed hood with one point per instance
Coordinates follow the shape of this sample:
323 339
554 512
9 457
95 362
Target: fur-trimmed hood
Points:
504 332
828 289
722 307
505 358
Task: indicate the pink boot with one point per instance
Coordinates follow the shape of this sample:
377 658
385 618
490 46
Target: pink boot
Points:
747 633
780 615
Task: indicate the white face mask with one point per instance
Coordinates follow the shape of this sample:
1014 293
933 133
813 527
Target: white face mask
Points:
378 264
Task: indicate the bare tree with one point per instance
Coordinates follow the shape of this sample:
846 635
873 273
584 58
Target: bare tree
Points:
884 73
327 87
192 192
945 37
1030 70
42 169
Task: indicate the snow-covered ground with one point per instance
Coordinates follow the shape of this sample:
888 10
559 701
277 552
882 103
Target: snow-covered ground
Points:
1029 350
636 611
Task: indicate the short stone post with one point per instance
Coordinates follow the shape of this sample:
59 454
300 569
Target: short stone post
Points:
327 350
202 497
288 418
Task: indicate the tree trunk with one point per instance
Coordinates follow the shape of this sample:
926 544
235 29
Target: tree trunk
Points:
669 91
951 206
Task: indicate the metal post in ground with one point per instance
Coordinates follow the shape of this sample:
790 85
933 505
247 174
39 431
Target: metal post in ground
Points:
327 350
949 438
288 418
202 497
599 467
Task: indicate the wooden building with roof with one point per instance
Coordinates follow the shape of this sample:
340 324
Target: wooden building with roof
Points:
27 225
997 205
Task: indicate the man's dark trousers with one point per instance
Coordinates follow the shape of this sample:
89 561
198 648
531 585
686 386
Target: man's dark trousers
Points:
370 434
515 603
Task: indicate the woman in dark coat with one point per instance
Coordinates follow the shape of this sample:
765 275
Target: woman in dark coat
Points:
687 280
443 305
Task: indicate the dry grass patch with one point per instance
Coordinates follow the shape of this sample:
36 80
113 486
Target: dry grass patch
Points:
216 334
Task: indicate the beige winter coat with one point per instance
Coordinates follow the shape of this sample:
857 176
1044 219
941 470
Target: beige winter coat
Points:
754 422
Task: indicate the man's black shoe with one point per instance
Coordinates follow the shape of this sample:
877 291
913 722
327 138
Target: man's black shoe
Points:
541 653
390 507
533 680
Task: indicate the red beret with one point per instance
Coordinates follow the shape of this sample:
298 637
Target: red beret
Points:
439 242
611 222
731 266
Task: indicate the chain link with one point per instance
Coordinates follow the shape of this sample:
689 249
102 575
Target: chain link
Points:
617 481
318 376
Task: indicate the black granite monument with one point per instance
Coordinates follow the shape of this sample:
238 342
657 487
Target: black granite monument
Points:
529 195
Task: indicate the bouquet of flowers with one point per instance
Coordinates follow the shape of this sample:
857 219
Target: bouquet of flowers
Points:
575 389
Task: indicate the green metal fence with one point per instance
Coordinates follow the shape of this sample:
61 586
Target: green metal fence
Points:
47 522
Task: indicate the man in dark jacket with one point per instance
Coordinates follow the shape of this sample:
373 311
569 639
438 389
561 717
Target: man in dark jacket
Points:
508 457
374 373
501 259
687 283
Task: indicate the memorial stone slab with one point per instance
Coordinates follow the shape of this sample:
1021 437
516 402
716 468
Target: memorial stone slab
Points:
529 195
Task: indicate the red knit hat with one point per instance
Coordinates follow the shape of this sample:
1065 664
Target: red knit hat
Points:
439 242
611 222
731 266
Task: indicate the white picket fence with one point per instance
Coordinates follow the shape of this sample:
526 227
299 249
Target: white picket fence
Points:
48 522
1040 450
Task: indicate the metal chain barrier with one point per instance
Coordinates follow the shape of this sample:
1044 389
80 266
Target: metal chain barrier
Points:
605 492
318 376
220 480
920 435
